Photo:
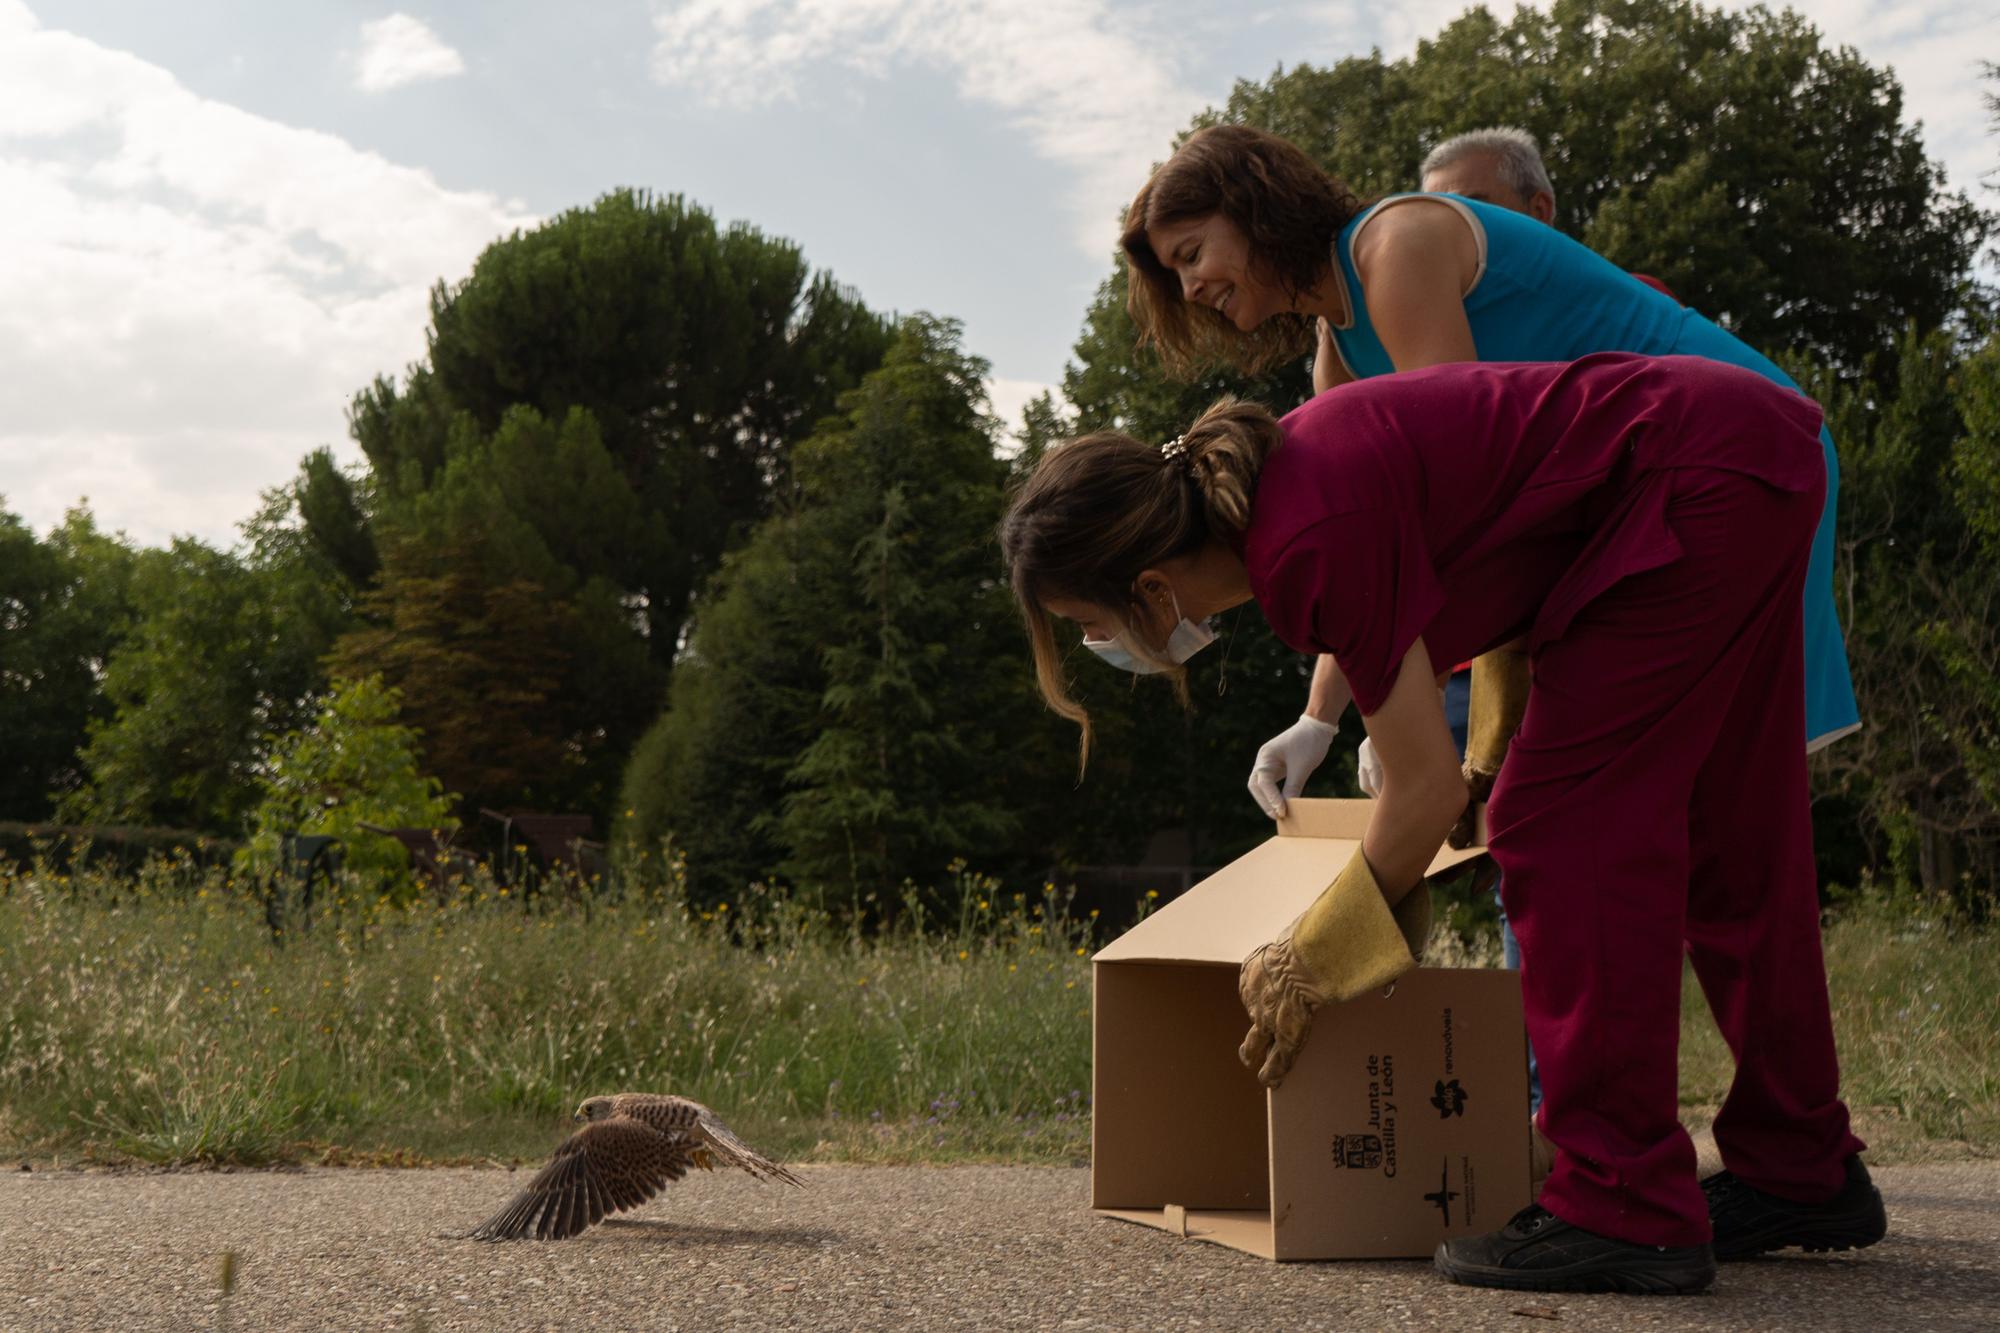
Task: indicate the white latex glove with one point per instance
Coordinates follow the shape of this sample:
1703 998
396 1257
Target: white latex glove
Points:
1368 769
1289 758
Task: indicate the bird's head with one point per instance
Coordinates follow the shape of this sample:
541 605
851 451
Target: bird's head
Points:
593 1108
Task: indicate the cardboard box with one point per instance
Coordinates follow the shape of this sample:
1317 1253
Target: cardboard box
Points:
1404 1122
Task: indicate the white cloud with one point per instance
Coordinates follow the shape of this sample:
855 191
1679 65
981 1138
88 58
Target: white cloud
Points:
1007 398
192 293
400 49
1087 86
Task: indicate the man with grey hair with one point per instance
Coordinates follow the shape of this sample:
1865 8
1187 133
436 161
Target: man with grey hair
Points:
1501 165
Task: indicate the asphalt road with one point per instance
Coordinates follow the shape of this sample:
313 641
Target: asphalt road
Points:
860 1247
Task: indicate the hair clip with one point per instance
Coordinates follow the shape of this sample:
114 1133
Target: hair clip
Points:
1174 448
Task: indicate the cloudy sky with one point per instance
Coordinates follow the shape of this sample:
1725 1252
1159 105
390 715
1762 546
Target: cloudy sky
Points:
219 218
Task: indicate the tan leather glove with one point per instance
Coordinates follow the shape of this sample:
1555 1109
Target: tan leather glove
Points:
1500 682
1346 944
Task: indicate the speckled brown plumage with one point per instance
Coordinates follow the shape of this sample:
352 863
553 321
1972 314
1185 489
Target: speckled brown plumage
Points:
632 1146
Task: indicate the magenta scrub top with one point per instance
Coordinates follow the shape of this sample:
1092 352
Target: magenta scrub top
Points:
1472 503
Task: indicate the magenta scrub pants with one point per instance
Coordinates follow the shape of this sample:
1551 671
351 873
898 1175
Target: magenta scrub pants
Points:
1654 795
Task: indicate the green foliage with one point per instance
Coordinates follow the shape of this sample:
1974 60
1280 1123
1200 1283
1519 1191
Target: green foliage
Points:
64 606
333 516
1734 155
223 651
711 770
843 712
1919 578
187 685
354 765
897 504
610 403
525 677
702 352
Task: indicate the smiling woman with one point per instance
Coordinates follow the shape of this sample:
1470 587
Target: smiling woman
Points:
1222 246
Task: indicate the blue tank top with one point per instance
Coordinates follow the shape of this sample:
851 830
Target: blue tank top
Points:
1540 296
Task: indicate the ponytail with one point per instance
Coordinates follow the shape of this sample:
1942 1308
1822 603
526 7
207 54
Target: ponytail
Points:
1099 510
1225 452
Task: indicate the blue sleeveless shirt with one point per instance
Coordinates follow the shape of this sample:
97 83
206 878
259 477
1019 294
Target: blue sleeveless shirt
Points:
1539 296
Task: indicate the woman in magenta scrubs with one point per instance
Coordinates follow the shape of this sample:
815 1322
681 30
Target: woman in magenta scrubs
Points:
1641 528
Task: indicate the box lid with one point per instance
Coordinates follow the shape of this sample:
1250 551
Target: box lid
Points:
1248 901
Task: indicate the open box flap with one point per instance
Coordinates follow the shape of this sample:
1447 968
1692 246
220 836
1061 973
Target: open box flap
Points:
1250 900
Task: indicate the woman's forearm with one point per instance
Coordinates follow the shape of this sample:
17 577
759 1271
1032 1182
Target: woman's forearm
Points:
1329 695
1407 826
1423 793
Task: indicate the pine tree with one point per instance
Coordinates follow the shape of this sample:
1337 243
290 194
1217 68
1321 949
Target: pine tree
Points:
855 692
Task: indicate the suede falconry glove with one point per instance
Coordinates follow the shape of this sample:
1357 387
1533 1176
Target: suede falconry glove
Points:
1500 683
1346 944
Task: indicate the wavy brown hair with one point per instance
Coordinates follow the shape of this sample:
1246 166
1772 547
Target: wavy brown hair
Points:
1101 509
1289 210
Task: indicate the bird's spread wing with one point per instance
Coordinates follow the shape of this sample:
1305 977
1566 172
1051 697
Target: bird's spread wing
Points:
603 1168
725 1147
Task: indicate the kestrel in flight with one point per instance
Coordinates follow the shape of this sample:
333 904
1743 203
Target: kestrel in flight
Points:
632 1146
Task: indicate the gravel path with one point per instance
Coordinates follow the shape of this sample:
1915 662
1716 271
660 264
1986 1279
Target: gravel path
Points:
860 1247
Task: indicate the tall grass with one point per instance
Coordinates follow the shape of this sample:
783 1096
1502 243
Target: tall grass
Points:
1915 1001
156 1016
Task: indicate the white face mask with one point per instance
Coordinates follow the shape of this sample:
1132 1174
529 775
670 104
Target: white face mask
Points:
1187 639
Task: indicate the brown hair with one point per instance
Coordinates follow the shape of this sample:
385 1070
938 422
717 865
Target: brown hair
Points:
1099 510
1288 209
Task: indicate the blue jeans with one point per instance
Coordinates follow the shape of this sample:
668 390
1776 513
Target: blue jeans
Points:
1457 698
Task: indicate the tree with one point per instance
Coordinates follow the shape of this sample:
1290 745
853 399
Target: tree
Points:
609 402
222 651
64 606
333 513
1919 574
190 696
526 678
854 698
1734 155
898 503
710 771
702 353
353 765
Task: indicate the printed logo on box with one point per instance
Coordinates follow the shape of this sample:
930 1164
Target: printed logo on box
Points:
1449 1099
1445 1193
1358 1152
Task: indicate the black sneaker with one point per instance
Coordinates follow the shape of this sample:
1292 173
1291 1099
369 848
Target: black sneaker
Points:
1538 1251
1748 1221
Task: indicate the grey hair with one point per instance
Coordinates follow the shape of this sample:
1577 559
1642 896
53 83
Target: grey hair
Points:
1519 156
